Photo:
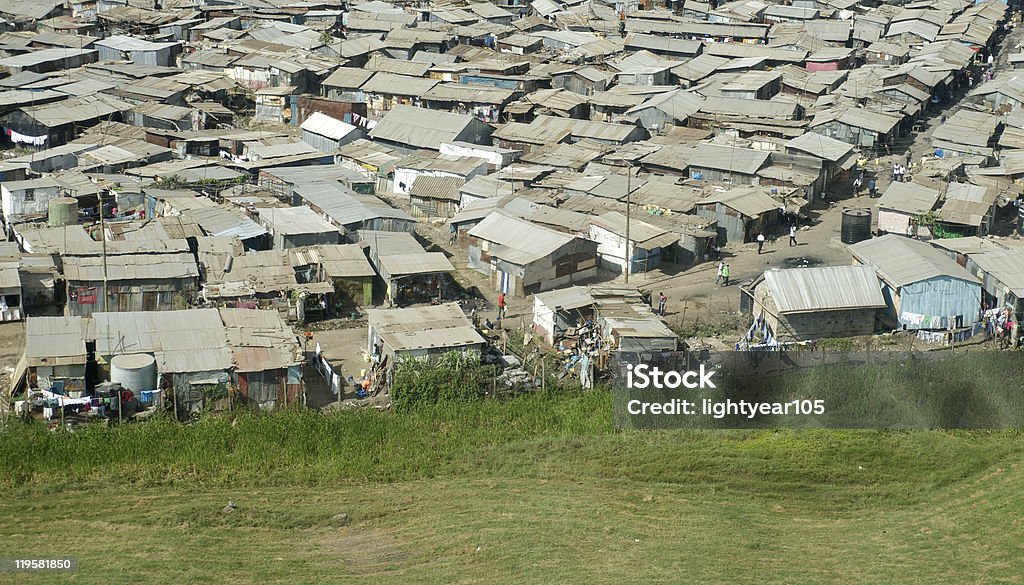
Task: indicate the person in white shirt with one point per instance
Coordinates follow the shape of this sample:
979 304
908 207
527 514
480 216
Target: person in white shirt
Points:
760 242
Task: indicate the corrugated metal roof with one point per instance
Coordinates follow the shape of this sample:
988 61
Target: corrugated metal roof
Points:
751 202
218 221
182 341
1006 266
572 297
643 234
820 146
424 327
346 207
52 340
422 263
518 241
421 127
325 125
728 158
129 267
343 260
909 198
291 221
901 261
826 288
392 84
259 340
441 187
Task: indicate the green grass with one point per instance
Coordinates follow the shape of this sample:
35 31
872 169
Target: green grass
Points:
543 486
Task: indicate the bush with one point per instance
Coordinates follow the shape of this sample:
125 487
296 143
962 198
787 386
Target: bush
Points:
454 377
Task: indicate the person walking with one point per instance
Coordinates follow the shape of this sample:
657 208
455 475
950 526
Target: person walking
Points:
760 242
721 265
871 187
662 300
453 234
725 275
501 305
792 236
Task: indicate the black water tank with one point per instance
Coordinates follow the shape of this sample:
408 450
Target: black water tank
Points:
856 226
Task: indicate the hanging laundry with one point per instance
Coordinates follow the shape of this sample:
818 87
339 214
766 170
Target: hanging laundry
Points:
22 138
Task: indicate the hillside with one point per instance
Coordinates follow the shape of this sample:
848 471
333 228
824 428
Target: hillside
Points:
535 490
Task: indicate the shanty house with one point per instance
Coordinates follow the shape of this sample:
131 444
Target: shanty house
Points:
556 311
523 258
28 197
11 306
411 128
727 164
344 265
409 273
901 207
422 332
328 134
643 248
741 213
266 358
294 227
923 288
139 51
808 303
857 126
133 282
55 354
435 196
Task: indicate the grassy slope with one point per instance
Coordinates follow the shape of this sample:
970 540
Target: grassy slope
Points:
543 487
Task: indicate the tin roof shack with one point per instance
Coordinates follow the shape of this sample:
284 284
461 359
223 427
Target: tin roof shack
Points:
55 353
11 306
267 358
1002 277
294 227
645 244
328 134
193 361
48 60
59 123
741 213
343 265
435 196
727 164
523 258
807 303
139 51
632 326
967 210
857 126
558 311
224 222
409 273
903 206
422 332
923 288
966 133
135 282
38 275
410 128
352 211
439 165
31 197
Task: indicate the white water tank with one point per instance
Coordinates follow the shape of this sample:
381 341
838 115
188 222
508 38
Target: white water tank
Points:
136 372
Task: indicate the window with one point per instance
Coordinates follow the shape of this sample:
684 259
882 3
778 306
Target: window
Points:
30 194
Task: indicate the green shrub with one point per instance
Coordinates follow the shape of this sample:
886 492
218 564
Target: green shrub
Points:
454 377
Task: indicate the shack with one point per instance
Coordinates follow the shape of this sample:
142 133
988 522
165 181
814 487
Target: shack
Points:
294 227
422 332
558 311
923 288
55 354
408 273
266 356
643 249
902 206
808 303
741 213
522 258
134 282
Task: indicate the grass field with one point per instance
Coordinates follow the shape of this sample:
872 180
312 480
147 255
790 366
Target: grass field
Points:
535 490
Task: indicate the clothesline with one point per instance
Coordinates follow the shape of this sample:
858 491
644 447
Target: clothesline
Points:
18 138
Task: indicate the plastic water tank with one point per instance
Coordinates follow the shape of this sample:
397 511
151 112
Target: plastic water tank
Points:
136 372
63 211
856 226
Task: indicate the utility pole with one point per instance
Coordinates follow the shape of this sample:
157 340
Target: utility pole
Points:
629 259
